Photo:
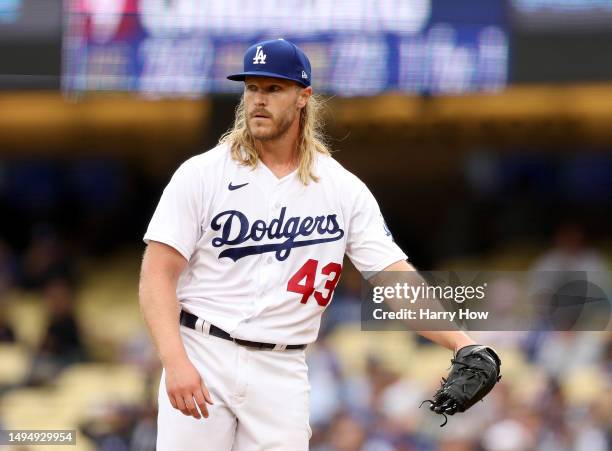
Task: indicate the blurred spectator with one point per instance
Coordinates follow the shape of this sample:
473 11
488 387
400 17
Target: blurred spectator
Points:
589 424
111 430
144 435
8 268
324 374
508 435
61 344
607 360
570 252
569 260
345 434
552 407
123 428
561 353
363 393
554 278
44 259
7 334
62 337
139 351
399 399
346 304
7 275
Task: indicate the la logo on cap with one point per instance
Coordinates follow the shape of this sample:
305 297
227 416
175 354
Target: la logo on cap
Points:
260 56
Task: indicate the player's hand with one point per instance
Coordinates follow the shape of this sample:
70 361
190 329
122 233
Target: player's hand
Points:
186 389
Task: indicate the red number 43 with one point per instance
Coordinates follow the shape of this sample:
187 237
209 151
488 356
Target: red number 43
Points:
303 281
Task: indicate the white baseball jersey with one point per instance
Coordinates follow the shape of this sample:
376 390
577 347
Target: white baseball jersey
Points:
264 253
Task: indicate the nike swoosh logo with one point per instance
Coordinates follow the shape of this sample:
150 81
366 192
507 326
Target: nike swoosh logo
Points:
235 187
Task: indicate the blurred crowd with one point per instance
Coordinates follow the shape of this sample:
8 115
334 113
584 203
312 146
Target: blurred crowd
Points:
373 410
378 410
47 270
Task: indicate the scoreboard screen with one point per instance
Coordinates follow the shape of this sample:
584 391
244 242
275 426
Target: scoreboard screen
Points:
356 47
557 15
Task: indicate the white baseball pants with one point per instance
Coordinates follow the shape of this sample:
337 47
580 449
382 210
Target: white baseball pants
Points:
260 399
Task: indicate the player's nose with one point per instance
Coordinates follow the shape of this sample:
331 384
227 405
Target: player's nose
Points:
260 98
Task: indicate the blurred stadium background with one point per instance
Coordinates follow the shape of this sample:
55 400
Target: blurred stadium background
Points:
484 128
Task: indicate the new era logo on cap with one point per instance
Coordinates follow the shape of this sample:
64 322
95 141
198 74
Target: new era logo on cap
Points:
278 58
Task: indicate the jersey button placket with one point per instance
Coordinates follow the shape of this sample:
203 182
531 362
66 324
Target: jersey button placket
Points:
267 259
259 279
262 260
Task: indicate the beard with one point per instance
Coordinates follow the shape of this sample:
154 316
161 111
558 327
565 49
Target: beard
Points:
275 130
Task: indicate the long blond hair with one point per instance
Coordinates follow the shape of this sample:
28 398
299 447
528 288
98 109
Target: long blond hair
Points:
311 139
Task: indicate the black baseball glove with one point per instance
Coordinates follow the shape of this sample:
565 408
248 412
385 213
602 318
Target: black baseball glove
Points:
475 371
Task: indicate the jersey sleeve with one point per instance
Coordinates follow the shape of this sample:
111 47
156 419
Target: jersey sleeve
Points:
178 217
370 245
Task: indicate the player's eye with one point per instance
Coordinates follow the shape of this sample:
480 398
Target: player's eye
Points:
274 88
251 88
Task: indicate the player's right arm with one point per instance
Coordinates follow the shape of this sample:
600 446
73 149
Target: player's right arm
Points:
161 268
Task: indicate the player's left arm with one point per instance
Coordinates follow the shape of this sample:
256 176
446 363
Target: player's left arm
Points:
451 339
370 243
475 369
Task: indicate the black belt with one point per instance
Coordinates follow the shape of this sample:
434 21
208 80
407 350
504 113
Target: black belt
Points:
189 320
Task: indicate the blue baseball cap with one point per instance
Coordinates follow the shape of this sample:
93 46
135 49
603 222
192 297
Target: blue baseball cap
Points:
278 58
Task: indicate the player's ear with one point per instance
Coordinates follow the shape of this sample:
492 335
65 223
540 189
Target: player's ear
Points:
303 96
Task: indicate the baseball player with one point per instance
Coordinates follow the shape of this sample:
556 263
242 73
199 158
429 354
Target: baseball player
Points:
244 252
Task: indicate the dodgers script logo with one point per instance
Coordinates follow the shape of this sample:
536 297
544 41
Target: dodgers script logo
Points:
236 229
